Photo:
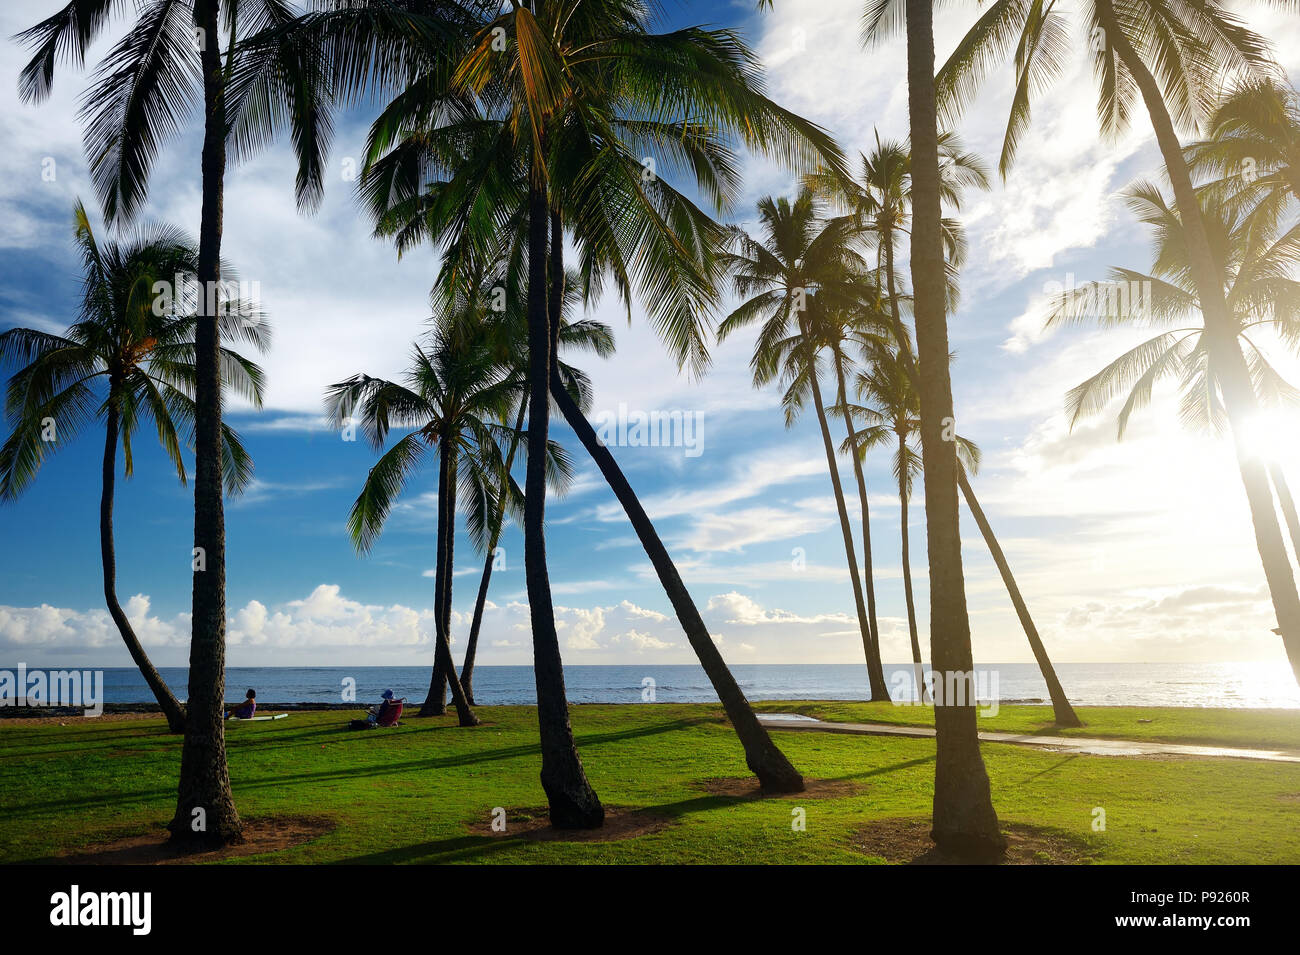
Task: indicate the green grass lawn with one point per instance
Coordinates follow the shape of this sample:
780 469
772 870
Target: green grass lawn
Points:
412 794
1253 729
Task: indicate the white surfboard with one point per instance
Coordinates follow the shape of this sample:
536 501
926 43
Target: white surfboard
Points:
256 719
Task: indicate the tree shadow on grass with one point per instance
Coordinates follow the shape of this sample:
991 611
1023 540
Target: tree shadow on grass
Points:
345 773
455 849
79 743
1051 769
463 848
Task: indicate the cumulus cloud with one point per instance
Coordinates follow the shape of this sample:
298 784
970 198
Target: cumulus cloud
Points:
324 621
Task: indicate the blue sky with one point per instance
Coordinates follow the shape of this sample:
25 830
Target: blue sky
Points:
1116 547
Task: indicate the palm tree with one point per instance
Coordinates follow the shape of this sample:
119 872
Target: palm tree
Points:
577 99
802 266
584 334
881 200
964 821
1251 154
144 354
835 327
1250 163
891 412
858 318
168 63
1258 257
1173 55
456 393
1287 502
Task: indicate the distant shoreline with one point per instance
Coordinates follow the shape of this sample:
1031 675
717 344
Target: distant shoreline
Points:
152 709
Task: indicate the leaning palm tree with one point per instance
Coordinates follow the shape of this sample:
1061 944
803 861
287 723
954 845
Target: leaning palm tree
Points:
1261 294
858 318
802 261
890 382
140 347
1174 55
407 206
964 820
168 65
576 100
581 87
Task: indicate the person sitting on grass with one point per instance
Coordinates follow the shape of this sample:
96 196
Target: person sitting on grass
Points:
245 710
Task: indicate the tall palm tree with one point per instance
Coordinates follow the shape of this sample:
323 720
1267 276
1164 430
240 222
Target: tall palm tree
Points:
1259 258
1173 55
964 821
581 86
578 97
457 392
141 349
1250 163
858 318
892 413
167 65
803 265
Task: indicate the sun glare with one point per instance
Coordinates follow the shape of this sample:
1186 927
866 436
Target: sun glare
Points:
1272 435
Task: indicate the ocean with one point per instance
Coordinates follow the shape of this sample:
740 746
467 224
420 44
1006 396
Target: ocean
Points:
1087 684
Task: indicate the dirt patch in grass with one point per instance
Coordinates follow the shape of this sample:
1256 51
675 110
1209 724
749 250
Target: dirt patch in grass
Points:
67 719
907 841
747 788
534 825
268 834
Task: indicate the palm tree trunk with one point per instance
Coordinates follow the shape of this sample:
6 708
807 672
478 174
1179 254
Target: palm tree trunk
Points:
845 529
205 807
964 820
573 803
471 649
892 289
1061 708
162 693
435 703
442 582
1239 399
918 664
875 669
1288 506
765 760
775 773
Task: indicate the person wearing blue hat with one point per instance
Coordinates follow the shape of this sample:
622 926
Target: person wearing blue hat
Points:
385 713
